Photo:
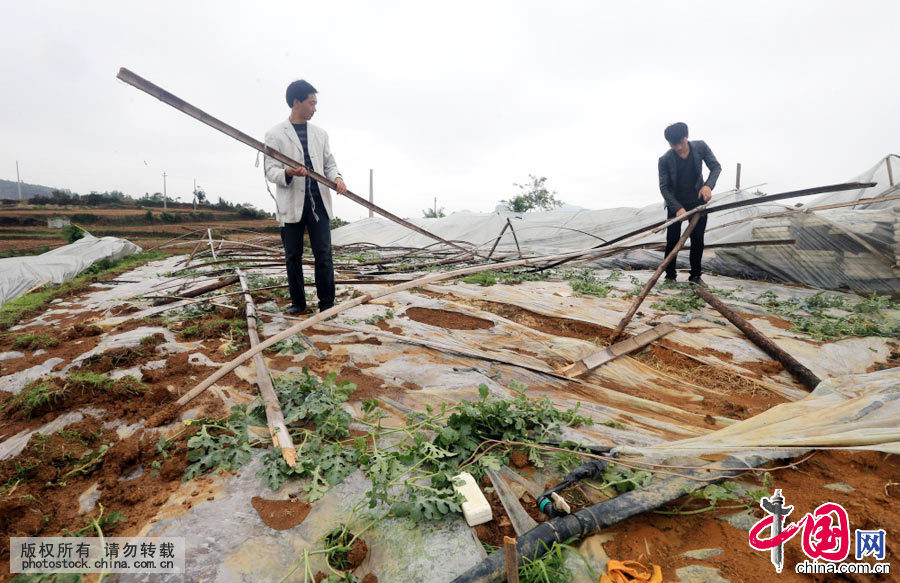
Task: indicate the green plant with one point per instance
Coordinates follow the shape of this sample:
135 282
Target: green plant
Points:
685 300
711 496
293 345
72 233
373 319
585 282
483 278
35 341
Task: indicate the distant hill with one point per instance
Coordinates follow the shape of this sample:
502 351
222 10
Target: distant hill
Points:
9 189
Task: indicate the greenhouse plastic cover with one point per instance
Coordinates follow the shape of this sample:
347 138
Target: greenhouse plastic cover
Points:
824 254
650 410
20 274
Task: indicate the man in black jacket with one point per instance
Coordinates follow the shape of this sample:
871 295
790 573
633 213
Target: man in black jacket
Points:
683 188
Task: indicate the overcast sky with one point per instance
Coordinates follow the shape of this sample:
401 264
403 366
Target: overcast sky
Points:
454 100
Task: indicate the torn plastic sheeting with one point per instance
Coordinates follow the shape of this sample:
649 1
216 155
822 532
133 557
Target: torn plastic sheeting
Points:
546 298
821 257
20 274
842 412
228 542
440 381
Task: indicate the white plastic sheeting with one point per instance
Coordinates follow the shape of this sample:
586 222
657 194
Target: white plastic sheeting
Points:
20 274
824 255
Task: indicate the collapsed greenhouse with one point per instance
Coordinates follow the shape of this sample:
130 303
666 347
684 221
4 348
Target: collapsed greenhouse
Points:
175 399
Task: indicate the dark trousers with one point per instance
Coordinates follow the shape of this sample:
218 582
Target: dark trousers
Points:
320 241
673 233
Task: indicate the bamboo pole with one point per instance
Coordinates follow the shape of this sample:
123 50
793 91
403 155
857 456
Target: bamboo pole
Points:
277 428
497 240
812 209
653 278
185 107
806 376
197 291
516 239
212 249
613 352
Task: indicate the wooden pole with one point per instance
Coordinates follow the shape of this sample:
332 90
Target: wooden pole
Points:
185 107
613 352
198 291
497 240
275 417
516 239
805 375
371 190
212 249
653 278
512 559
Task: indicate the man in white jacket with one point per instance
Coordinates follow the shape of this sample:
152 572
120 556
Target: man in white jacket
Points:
304 204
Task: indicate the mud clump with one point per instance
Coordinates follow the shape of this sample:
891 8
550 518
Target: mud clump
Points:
281 514
80 330
123 357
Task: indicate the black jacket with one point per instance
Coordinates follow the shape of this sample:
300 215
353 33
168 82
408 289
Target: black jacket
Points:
667 172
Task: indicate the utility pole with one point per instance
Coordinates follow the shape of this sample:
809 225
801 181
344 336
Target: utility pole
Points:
165 208
195 194
371 191
435 207
737 184
18 181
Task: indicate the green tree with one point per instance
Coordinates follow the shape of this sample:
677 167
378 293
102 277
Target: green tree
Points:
434 213
534 194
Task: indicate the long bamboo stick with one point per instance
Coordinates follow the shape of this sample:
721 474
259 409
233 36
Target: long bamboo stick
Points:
277 428
185 107
806 376
653 278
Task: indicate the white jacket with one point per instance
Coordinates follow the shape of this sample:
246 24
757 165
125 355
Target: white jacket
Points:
289 197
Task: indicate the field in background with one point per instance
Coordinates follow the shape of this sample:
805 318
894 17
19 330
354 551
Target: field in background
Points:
24 230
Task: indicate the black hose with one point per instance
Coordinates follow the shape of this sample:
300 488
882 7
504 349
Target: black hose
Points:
587 521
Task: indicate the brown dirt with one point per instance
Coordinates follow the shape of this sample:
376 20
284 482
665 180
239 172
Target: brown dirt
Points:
764 368
370 578
42 502
358 552
367 386
447 319
518 459
80 330
546 324
743 397
382 325
660 539
281 514
893 360
124 357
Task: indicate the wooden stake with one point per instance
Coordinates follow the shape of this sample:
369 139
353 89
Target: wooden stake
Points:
512 559
197 291
275 417
516 239
497 240
195 112
653 278
613 352
805 375
212 249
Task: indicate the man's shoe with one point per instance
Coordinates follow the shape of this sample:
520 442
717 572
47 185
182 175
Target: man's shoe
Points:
695 280
296 310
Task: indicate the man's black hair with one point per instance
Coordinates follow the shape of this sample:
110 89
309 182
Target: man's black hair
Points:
298 90
676 132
